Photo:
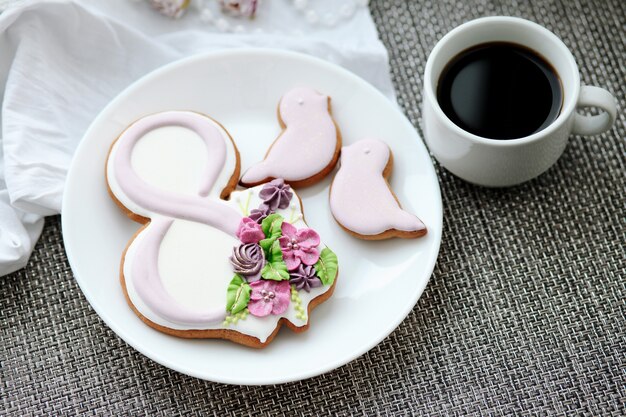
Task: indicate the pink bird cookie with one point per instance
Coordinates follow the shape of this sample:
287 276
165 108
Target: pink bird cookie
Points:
308 147
361 199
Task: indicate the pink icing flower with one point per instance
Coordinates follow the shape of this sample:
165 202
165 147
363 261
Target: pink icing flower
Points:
298 246
245 8
269 297
249 231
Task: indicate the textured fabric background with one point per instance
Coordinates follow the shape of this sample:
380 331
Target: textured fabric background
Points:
525 313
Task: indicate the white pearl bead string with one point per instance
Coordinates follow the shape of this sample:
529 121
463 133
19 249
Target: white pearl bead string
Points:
209 13
329 19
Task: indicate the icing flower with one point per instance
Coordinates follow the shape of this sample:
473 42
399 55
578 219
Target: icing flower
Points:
249 231
305 278
170 8
298 246
259 214
276 194
269 297
247 260
245 8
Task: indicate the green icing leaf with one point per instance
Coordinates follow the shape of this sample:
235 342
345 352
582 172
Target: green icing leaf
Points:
274 253
266 244
327 266
276 271
271 226
237 295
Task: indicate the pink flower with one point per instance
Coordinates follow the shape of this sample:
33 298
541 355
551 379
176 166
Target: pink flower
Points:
269 297
249 231
298 246
245 8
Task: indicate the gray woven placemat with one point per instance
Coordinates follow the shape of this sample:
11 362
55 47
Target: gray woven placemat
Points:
525 313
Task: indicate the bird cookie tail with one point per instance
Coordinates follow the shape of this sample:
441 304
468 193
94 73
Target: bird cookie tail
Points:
256 174
410 224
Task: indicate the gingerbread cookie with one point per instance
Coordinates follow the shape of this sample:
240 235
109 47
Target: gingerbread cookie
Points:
361 199
308 147
203 266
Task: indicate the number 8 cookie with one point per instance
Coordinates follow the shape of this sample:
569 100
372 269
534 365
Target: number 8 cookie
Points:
204 266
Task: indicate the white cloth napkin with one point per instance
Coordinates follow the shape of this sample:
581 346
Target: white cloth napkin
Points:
63 61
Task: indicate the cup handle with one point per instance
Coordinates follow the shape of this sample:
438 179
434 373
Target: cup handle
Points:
594 97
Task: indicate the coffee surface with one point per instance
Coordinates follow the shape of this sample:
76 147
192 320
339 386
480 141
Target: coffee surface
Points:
500 90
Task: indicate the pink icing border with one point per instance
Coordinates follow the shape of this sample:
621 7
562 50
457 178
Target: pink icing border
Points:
148 285
213 213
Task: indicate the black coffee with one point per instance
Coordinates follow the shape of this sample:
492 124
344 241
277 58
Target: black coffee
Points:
500 90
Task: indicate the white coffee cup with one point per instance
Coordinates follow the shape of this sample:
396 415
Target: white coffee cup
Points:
501 163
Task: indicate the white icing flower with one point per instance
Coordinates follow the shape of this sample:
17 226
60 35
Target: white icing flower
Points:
170 8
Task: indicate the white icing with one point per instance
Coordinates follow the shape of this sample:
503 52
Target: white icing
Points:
194 266
180 163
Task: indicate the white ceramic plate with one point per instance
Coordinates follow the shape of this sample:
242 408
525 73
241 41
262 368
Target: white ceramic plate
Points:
379 282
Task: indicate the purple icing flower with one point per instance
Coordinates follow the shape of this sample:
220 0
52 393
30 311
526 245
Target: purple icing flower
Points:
298 246
269 297
259 214
276 194
248 260
249 231
304 278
